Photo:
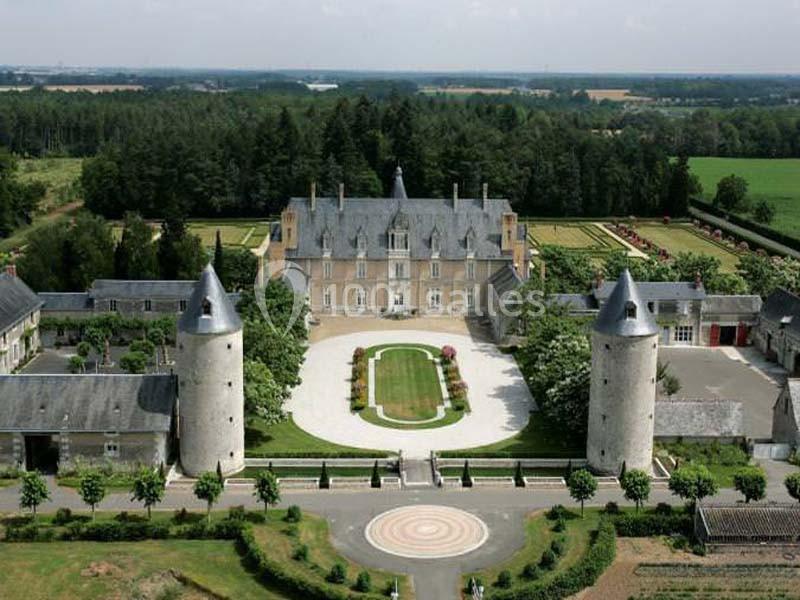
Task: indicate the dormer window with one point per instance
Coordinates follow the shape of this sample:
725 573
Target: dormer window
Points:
361 241
398 240
470 241
436 243
630 310
327 241
206 307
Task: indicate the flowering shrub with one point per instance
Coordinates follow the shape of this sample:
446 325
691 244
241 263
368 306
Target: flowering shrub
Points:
666 219
448 354
358 386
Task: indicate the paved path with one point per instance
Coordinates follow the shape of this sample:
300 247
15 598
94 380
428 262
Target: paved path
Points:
498 396
767 243
349 512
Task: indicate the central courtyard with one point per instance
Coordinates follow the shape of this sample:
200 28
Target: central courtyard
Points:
499 400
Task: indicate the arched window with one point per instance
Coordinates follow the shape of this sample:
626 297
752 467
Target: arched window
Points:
630 310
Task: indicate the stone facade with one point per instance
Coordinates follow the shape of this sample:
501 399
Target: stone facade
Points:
786 415
19 342
778 331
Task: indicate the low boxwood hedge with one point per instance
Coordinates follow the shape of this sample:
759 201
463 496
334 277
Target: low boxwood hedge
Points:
581 575
650 524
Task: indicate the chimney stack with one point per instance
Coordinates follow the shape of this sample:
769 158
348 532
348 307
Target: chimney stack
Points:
11 270
598 279
341 197
455 196
313 196
485 194
698 280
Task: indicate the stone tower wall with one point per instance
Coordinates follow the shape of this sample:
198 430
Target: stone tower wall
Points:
211 397
622 402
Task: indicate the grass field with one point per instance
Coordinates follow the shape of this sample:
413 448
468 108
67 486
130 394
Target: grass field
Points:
776 180
99 570
538 537
370 415
287 439
575 235
251 472
501 472
677 238
407 384
539 439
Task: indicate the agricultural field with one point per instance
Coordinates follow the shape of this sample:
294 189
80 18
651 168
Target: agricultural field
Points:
774 180
649 569
676 238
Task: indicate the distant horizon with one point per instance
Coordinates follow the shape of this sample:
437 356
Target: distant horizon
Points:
516 36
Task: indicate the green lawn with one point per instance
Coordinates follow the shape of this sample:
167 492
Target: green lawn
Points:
502 472
45 571
538 536
776 180
678 238
287 439
723 460
52 571
539 439
407 385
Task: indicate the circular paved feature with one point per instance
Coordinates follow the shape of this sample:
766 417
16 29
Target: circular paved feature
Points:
426 531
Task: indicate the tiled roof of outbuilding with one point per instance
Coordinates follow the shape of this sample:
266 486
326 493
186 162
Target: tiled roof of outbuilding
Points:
16 300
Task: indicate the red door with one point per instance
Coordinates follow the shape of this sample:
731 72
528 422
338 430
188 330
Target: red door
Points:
741 334
713 337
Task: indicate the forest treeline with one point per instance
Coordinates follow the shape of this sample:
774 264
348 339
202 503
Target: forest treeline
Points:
246 153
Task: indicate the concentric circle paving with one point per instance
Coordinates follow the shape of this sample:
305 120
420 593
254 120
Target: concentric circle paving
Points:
426 531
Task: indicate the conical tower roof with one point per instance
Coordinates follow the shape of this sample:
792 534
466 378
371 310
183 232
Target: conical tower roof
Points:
209 310
625 314
398 187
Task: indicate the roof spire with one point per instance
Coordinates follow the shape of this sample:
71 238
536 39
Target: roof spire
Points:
398 188
625 314
209 310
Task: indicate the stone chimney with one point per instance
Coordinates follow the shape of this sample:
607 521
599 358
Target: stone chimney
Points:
11 270
313 196
485 195
598 279
341 197
455 196
698 280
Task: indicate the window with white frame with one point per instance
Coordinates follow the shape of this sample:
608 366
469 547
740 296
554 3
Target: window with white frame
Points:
327 269
470 298
399 270
436 243
361 242
148 305
327 297
111 449
326 241
399 299
684 333
361 298
434 298
398 240
470 269
435 269
361 269
112 305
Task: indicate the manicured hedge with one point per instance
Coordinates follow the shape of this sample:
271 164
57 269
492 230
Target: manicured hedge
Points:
648 525
272 572
581 575
319 454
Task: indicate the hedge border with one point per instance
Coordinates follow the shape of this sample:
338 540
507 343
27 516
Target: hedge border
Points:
579 576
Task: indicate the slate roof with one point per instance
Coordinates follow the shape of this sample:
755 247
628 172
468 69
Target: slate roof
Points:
575 302
757 522
732 304
17 300
65 301
398 187
656 290
505 280
121 289
124 403
783 305
792 388
376 215
699 418
222 318
612 318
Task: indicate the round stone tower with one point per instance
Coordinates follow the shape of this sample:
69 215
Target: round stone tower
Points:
623 382
210 381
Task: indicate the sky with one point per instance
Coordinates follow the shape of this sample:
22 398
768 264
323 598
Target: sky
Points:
683 36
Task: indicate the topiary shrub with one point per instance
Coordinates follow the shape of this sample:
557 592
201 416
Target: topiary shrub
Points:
504 579
301 554
557 546
556 512
363 582
662 508
324 480
560 525
62 516
337 574
612 508
294 514
548 560
531 572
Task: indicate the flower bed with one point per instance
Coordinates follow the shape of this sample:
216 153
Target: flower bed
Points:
358 385
456 386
